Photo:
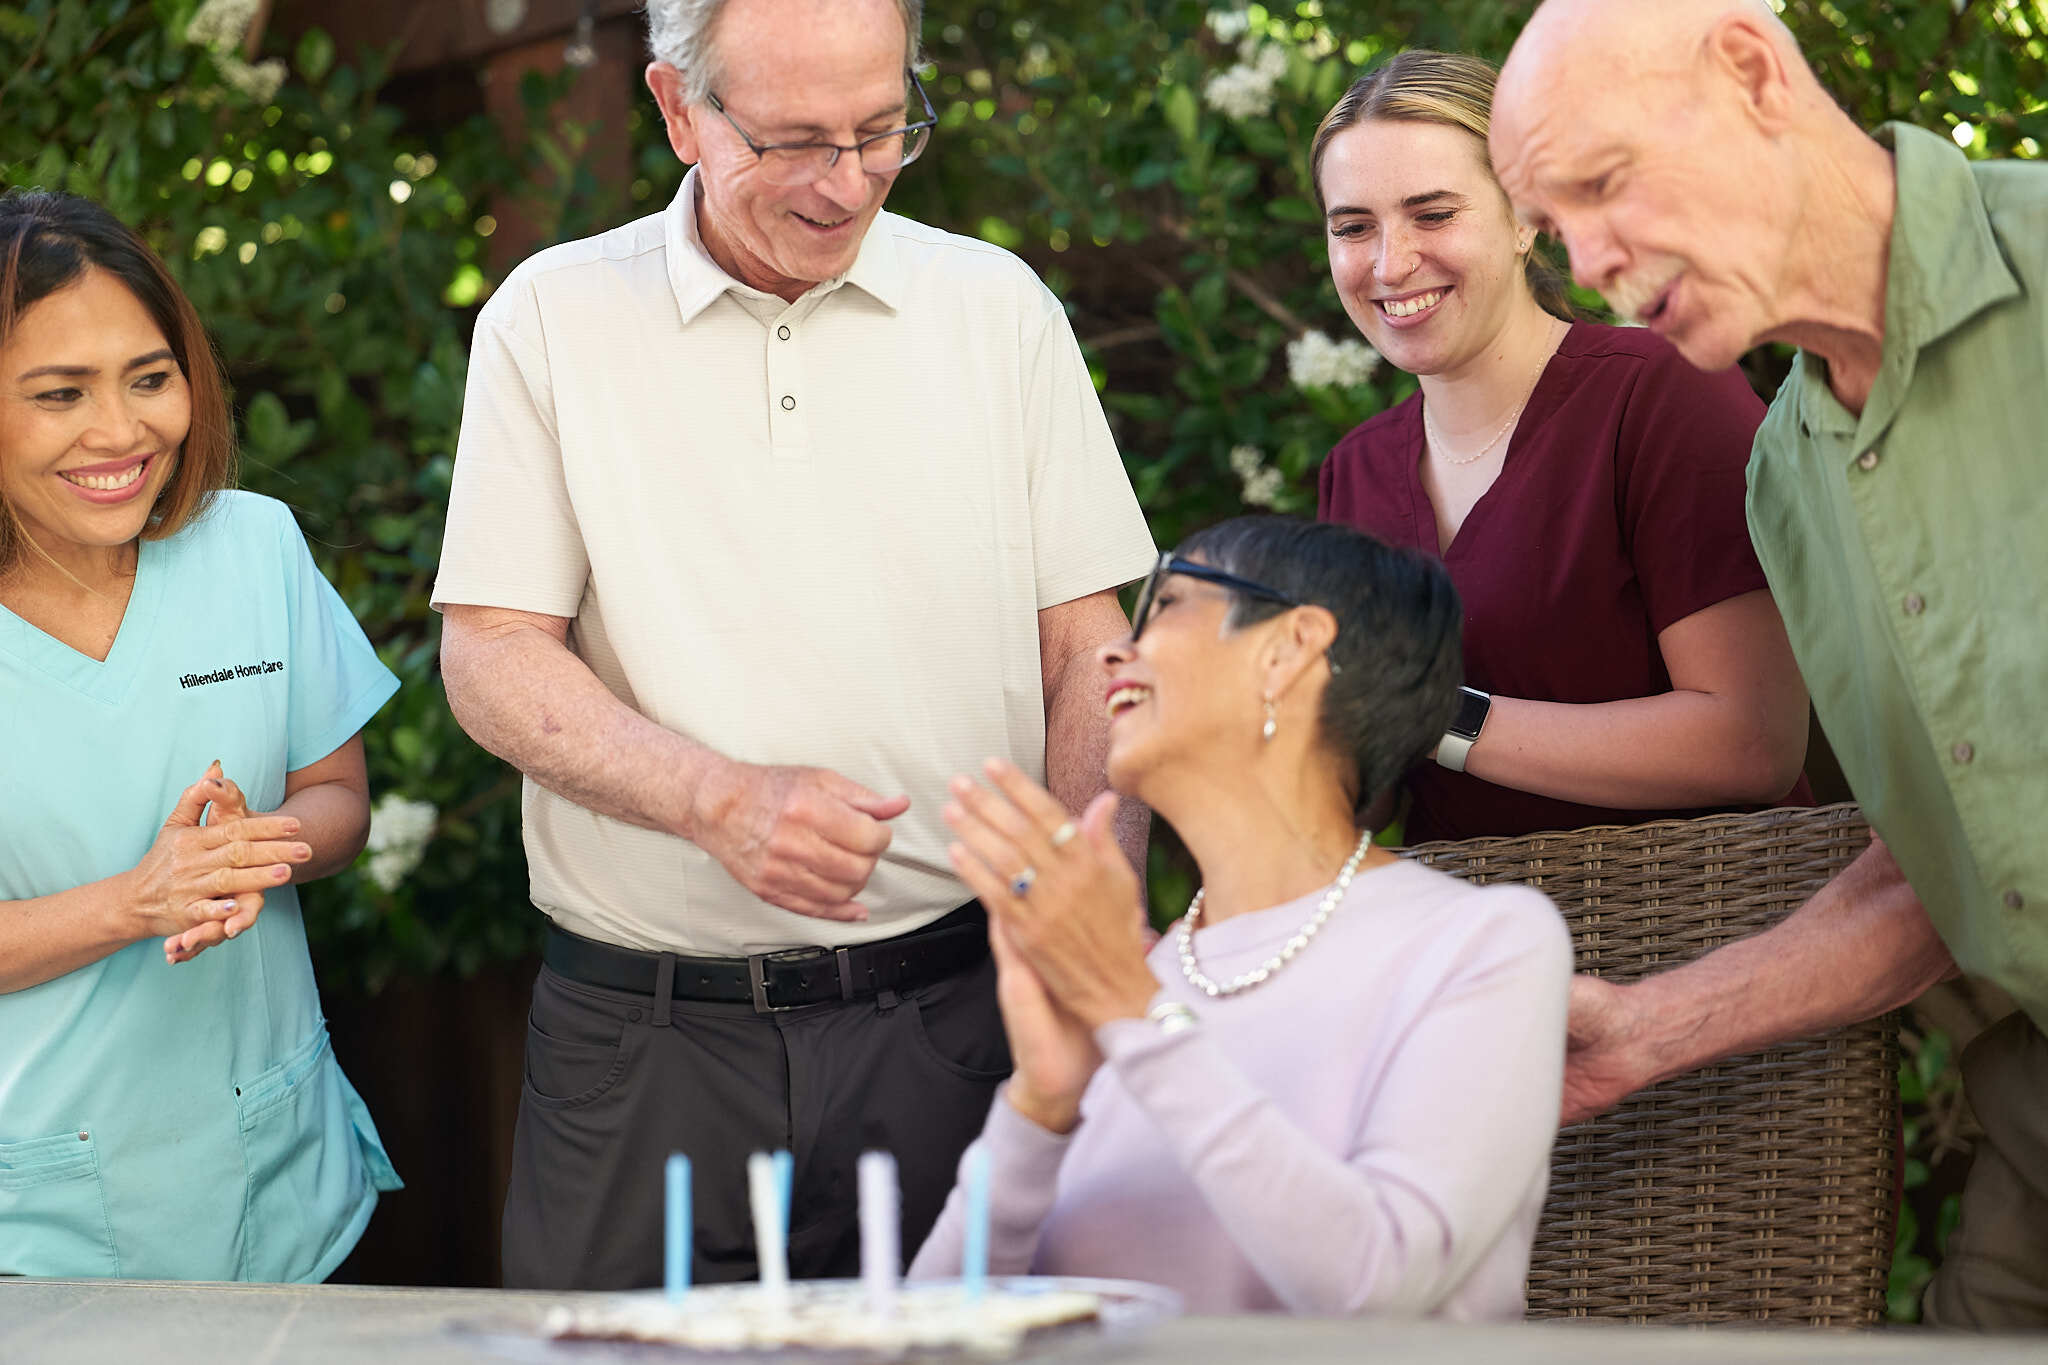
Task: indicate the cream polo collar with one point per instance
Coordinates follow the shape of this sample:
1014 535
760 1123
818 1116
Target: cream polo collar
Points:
1943 269
697 279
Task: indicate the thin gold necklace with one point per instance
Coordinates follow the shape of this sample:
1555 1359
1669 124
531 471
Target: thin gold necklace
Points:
1436 441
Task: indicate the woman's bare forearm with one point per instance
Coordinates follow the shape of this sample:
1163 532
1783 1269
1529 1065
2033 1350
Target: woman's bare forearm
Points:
1672 751
1731 731
44 937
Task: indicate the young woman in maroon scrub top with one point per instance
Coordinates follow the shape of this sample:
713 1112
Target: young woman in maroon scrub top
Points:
1583 484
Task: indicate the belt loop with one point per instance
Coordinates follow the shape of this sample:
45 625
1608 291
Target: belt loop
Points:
845 963
664 988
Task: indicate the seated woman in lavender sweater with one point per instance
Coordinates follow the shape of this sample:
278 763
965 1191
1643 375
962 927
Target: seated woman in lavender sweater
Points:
1332 1088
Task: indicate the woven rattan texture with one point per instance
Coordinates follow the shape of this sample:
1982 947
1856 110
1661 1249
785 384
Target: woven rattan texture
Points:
1761 1188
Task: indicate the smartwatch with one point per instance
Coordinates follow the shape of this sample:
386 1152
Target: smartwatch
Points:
1466 723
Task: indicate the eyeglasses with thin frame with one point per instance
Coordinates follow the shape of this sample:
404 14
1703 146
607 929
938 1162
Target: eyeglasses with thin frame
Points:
806 163
1171 563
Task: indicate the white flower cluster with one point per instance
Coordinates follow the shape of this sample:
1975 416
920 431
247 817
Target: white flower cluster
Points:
1315 361
220 26
399 831
1229 24
1261 482
221 23
1245 91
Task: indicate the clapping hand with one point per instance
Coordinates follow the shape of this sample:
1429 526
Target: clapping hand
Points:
1070 949
204 882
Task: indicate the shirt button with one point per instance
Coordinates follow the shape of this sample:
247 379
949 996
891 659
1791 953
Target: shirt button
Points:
1914 604
1964 752
2013 900
782 333
1867 461
788 403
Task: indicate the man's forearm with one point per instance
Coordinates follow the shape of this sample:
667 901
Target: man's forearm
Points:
524 696
1861 946
1077 749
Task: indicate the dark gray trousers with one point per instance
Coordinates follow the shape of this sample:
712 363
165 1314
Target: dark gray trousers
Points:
1994 1272
615 1082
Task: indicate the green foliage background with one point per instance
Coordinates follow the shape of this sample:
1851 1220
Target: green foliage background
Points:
338 254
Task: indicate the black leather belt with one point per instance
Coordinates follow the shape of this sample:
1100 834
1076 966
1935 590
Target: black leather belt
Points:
784 980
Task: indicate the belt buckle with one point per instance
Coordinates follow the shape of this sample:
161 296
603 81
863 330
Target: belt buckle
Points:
757 975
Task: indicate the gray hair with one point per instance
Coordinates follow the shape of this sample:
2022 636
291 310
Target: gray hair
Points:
679 33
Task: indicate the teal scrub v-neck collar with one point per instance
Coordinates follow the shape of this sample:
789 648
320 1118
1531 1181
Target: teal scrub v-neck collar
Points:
107 681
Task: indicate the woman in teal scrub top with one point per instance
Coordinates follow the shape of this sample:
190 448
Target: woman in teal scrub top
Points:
180 696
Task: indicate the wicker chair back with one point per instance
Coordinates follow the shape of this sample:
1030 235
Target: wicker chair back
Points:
1759 1188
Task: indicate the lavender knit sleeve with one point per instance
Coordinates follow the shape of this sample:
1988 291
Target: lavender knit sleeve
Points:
1024 1166
1459 1127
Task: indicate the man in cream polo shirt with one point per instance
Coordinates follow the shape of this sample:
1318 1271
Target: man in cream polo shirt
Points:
771 513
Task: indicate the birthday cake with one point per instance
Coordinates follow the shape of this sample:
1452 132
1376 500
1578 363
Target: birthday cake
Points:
832 1316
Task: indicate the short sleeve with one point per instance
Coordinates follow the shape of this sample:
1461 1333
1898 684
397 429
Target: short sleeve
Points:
1087 531
512 539
334 679
1681 458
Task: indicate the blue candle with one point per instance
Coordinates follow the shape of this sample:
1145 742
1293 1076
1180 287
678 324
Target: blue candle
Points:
785 1186
676 1261
974 1256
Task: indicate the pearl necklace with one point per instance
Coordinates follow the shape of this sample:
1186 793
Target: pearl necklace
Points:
1192 920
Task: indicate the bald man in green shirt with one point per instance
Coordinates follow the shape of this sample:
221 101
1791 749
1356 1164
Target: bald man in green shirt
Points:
1707 185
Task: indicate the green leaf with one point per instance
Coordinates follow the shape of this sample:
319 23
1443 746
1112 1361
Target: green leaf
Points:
267 425
1183 114
1292 208
315 55
16 26
406 746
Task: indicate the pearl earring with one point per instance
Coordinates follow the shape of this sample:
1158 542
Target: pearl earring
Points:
1272 725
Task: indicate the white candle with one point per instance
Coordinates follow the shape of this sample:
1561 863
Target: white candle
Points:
881 1231
771 1249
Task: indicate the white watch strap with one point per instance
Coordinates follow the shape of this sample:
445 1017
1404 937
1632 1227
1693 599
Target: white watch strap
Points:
1451 751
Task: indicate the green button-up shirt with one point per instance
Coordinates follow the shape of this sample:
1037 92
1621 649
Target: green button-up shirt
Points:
1908 550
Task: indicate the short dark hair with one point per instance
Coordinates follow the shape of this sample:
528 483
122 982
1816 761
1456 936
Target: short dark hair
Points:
1398 658
48 240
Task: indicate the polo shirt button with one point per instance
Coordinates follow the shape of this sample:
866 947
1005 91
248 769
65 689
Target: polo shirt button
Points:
782 332
1914 604
1964 752
1867 461
2013 900
788 403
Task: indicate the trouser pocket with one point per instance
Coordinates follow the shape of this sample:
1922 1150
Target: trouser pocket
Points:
53 1213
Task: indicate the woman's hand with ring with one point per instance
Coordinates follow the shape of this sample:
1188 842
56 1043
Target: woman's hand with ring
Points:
1074 924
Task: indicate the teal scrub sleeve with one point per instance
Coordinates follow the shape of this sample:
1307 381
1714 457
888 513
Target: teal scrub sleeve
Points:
336 680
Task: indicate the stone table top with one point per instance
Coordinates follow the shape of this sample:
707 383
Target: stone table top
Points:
75 1322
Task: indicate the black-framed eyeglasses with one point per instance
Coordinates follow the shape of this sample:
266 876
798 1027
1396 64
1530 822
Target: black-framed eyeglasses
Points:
806 163
1171 563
